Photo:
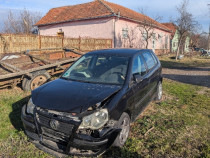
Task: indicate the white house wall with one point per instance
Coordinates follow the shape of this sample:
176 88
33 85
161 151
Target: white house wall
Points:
135 40
100 28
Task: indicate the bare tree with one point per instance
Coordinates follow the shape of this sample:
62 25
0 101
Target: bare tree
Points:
203 41
12 25
147 28
130 36
185 23
194 40
21 23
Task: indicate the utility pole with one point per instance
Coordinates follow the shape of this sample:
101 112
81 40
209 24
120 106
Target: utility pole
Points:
209 39
209 30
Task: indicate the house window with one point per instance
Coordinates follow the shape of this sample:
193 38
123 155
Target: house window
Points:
166 42
125 33
186 46
160 38
154 36
144 36
153 40
174 44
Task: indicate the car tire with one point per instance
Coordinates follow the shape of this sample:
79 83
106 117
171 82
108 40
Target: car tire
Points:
159 92
124 124
38 78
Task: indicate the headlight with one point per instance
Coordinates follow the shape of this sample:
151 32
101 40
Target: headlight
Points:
95 120
30 107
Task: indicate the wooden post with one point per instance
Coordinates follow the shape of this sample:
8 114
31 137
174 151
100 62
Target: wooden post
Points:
40 42
79 42
111 44
62 44
94 44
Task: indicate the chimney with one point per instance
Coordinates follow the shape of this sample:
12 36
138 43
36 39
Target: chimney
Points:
60 33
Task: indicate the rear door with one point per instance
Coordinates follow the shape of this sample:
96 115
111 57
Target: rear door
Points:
153 72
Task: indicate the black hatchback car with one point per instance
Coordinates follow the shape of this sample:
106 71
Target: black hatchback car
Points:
90 107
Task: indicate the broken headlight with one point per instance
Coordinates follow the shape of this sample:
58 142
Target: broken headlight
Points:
95 120
30 107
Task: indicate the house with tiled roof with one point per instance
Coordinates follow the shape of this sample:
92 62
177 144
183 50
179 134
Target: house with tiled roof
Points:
102 19
175 38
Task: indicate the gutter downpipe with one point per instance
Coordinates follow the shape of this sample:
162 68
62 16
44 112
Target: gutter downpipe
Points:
116 18
114 37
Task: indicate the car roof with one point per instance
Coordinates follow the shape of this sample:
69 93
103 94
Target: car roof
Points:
120 52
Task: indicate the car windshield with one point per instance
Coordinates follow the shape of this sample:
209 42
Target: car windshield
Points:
107 69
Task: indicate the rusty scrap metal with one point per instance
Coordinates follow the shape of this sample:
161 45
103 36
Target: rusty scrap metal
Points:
13 68
56 64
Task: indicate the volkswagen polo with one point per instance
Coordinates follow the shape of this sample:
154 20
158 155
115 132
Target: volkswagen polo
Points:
90 107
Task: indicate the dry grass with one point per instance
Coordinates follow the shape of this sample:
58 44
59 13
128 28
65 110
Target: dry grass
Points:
175 127
178 126
168 61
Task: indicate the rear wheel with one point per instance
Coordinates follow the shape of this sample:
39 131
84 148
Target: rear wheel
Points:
124 124
38 78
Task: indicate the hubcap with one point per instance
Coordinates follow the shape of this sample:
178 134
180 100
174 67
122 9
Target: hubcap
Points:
160 91
38 81
125 131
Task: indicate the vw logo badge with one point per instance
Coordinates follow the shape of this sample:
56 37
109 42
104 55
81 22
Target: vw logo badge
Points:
54 124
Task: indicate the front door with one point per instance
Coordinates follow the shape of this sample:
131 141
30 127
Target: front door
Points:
140 87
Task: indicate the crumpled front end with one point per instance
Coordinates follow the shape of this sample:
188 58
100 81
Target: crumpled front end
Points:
59 135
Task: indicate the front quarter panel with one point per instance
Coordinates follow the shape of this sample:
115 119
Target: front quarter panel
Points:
117 105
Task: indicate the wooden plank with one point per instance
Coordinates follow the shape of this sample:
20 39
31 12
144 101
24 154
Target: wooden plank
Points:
13 68
9 67
72 50
56 64
43 60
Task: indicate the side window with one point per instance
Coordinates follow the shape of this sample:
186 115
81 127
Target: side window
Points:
138 66
154 58
149 60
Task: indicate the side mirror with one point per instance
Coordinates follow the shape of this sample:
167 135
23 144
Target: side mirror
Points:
137 78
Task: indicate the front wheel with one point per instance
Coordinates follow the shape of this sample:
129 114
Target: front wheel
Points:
159 91
124 124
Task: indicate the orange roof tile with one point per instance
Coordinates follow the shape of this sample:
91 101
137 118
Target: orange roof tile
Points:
133 15
171 27
94 9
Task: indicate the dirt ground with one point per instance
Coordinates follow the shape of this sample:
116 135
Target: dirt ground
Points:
196 76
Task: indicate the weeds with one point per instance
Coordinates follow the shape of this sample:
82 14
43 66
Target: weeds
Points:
168 61
176 127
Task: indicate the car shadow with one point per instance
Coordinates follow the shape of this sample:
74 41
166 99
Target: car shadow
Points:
116 152
190 79
15 115
182 66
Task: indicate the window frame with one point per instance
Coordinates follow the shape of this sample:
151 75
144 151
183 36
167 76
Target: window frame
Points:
125 33
155 60
146 68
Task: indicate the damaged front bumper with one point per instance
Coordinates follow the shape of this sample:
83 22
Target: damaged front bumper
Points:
65 138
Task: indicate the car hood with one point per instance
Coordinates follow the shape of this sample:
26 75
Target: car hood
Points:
71 96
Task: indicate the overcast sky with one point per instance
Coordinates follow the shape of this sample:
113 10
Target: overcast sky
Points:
164 8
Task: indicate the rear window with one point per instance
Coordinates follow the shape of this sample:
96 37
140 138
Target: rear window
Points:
149 59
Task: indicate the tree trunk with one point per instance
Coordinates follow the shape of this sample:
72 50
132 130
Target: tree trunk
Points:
178 49
147 44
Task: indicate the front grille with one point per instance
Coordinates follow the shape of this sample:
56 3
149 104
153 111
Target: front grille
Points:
57 136
61 127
